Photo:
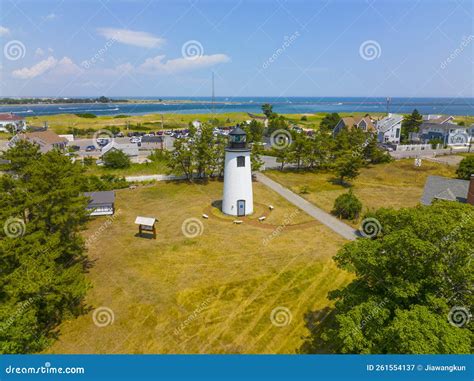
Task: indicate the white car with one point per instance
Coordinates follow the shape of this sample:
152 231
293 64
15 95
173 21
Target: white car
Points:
135 139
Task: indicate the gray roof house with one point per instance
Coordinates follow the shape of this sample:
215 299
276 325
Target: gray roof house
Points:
443 188
130 150
100 203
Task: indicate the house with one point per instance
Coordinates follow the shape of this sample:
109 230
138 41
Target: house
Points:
362 123
10 119
438 118
389 129
47 140
152 142
443 188
448 133
101 203
131 150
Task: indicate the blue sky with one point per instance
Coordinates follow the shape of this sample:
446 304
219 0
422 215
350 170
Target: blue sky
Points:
260 47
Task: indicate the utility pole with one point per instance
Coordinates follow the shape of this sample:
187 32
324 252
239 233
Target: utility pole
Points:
213 94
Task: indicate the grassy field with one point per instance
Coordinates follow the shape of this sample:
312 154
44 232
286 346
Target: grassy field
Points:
152 168
61 123
396 184
214 293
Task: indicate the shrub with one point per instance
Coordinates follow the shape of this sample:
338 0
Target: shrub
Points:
116 159
466 168
304 118
86 115
347 206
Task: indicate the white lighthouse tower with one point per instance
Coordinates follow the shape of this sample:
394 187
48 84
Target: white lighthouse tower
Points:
238 195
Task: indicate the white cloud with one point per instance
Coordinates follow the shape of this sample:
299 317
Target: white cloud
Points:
50 17
39 52
50 50
4 31
130 37
63 67
35 70
157 64
119 70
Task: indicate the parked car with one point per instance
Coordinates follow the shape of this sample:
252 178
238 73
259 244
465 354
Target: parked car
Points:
135 139
90 148
102 142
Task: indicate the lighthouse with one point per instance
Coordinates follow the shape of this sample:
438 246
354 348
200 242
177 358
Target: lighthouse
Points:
238 196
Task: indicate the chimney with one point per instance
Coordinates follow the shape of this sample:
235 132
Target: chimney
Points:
470 192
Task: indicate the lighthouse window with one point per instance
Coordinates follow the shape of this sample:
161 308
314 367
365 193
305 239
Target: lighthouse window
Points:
240 161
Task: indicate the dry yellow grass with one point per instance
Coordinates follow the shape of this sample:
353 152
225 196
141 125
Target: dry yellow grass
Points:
210 294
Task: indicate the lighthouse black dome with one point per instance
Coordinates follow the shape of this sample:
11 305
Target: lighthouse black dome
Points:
237 139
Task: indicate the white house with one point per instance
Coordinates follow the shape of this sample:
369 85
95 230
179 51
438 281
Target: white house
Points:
10 119
389 129
238 194
197 124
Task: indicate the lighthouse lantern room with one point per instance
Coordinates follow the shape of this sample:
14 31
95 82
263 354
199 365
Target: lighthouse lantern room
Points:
238 195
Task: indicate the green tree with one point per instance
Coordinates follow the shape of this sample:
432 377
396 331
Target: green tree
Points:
348 167
41 251
411 123
180 160
267 110
329 122
373 154
406 281
23 153
116 159
347 206
466 168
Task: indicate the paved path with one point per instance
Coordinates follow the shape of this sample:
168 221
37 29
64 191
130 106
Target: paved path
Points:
131 179
325 218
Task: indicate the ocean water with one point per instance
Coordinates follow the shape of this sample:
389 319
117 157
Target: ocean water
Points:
291 105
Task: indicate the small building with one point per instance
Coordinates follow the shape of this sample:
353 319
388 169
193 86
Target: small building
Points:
443 188
152 142
101 203
362 123
131 150
47 140
10 119
389 129
238 194
147 225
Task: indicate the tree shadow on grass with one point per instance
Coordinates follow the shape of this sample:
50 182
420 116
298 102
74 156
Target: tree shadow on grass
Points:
317 322
338 181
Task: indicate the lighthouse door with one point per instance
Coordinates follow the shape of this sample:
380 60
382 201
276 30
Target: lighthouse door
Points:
241 207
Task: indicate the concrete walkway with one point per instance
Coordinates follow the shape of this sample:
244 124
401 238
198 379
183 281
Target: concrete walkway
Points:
325 218
131 179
